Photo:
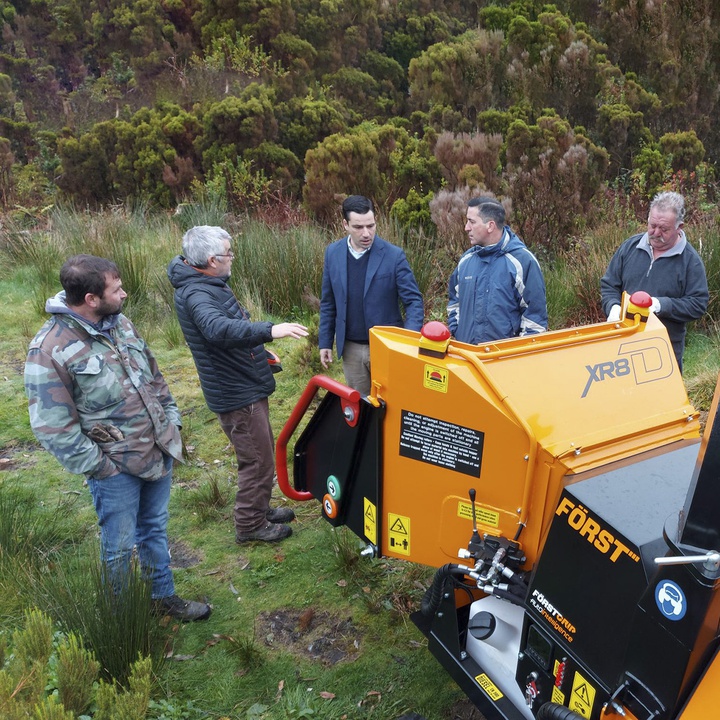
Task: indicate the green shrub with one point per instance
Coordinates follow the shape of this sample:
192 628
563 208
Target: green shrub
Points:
116 623
77 670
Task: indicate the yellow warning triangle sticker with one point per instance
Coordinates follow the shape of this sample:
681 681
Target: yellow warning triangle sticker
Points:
398 527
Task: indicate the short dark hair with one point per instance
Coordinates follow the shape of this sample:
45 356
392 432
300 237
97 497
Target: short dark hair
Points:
358 204
83 274
489 209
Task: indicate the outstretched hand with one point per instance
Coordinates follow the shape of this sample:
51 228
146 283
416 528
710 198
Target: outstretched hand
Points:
295 330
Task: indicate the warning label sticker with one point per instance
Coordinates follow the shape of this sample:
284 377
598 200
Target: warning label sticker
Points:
483 515
558 696
490 688
441 443
370 521
435 378
582 696
399 533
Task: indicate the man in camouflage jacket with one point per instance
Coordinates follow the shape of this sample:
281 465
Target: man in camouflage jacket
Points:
100 405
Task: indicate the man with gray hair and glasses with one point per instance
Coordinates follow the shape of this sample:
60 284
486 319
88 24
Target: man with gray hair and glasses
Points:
662 263
234 371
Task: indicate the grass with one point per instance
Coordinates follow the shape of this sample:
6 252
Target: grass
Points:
231 677
230 666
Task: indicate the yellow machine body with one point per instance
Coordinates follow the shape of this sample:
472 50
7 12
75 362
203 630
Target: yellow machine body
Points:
559 484
514 420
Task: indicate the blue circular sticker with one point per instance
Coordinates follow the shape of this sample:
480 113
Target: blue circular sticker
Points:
670 600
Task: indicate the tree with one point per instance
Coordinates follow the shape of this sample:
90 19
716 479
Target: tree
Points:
684 149
150 157
553 174
304 121
85 172
623 134
7 160
456 153
382 162
466 74
279 165
237 123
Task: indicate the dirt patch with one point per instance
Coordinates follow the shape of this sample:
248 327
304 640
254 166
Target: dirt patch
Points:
181 556
320 636
18 456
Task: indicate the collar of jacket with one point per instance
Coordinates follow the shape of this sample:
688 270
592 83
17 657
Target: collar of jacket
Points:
676 249
498 247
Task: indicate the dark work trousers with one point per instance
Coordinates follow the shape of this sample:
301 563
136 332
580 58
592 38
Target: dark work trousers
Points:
249 431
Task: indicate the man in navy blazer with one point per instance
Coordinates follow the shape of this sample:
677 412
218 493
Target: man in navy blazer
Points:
364 281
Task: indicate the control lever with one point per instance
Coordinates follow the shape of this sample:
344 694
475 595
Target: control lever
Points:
476 539
710 561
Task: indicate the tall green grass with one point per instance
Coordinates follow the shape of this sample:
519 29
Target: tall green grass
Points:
116 623
278 270
281 268
46 562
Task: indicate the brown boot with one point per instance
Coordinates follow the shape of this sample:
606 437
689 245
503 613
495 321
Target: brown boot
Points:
280 515
185 610
270 532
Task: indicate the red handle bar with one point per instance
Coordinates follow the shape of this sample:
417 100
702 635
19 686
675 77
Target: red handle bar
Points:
316 382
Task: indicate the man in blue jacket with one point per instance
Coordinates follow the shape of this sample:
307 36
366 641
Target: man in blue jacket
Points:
235 377
497 289
662 263
364 281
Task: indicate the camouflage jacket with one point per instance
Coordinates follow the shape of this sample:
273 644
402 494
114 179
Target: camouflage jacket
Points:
97 399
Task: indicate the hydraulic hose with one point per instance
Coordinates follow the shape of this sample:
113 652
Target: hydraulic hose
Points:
553 711
508 595
433 595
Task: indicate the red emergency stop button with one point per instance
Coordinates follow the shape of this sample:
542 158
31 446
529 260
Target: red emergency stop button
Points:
641 299
435 331
638 309
434 339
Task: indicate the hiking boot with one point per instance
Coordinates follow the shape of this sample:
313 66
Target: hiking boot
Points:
270 532
185 610
280 515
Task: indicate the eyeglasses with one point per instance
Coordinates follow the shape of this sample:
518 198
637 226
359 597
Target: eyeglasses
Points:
230 255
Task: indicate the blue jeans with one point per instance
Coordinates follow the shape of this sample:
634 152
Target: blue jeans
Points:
133 512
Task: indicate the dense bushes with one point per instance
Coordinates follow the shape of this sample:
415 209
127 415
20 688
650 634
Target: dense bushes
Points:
169 102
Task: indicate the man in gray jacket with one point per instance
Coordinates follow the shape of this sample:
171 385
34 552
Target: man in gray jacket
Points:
236 379
100 405
662 263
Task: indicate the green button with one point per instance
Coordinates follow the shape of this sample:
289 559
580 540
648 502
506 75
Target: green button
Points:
333 487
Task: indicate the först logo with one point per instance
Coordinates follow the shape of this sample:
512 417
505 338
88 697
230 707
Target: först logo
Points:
587 527
558 621
645 360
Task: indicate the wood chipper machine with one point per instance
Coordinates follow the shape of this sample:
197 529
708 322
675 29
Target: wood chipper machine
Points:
559 484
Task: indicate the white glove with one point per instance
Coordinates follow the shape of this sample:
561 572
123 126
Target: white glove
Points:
655 307
614 314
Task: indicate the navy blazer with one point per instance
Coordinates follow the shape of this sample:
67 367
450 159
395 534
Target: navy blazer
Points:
389 282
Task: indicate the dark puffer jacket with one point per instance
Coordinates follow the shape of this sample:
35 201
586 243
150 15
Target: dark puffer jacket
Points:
226 346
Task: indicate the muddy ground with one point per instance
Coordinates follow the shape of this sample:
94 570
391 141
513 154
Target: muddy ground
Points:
318 636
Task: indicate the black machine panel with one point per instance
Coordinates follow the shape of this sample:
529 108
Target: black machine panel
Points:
593 570
334 457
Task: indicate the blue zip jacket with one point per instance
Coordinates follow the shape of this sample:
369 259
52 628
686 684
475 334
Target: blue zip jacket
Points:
497 292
